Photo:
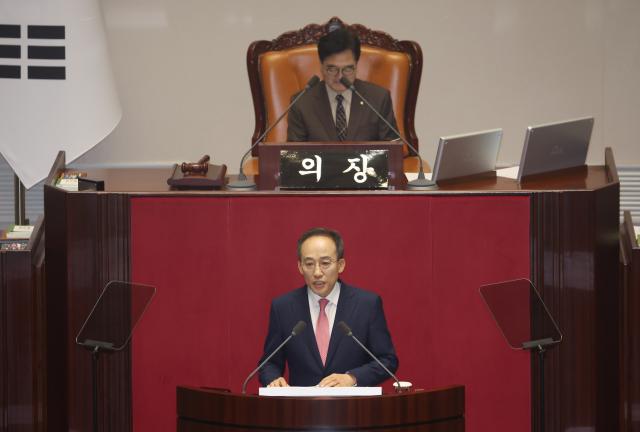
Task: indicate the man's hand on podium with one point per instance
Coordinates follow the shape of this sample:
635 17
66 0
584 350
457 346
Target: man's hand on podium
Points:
278 382
338 380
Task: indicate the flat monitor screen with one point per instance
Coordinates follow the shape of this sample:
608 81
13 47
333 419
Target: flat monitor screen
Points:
466 155
555 146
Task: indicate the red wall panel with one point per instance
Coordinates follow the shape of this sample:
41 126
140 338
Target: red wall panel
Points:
218 261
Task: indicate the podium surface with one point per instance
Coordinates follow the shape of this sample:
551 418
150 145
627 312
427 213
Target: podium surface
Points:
202 410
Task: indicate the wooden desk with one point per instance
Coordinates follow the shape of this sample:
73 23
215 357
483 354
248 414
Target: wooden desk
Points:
218 257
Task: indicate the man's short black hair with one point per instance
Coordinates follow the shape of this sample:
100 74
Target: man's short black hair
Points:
322 232
337 41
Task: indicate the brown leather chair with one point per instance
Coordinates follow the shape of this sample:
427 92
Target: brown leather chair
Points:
280 68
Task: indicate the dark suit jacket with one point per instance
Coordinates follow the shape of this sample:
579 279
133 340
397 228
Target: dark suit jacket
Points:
311 119
361 310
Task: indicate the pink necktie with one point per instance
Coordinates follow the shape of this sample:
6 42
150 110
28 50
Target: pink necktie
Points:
322 331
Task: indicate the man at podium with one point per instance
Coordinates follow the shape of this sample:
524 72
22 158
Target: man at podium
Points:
322 354
330 111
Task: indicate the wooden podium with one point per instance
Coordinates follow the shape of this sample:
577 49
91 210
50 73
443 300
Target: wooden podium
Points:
217 259
209 410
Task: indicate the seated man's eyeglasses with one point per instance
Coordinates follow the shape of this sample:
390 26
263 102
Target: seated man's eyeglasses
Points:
325 263
346 71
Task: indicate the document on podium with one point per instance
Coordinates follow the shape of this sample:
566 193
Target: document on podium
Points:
319 391
510 172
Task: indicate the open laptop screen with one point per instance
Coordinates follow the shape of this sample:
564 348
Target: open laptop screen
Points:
555 146
466 155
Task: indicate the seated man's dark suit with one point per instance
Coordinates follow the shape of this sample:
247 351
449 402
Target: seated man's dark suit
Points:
311 118
361 310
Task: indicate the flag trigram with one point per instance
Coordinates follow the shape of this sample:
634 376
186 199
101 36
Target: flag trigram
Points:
12 53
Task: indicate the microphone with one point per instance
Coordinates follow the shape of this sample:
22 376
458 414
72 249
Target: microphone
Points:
347 331
242 183
297 329
421 183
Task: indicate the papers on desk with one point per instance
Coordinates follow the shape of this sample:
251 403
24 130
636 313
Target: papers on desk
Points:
511 172
68 184
412 176
19 232
319 391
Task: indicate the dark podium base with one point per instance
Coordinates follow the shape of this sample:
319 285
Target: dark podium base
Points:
204 410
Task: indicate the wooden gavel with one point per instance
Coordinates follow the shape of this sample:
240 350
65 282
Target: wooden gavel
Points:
196 168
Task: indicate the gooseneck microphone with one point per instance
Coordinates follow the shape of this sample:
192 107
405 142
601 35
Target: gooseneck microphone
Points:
421 183
297 329
242 183
347 331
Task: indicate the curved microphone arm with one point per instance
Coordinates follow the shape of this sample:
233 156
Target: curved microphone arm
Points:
311 83
297 329
421 182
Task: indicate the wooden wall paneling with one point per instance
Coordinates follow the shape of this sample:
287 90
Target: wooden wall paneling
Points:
605 206
546 266
3 345
21 328
634 340
630 325
55 293
37 250
625 375
575 252
20 378
89 248
98 232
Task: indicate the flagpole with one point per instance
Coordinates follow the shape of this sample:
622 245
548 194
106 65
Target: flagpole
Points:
19 200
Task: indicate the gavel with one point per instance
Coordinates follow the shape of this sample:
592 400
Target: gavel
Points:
196 168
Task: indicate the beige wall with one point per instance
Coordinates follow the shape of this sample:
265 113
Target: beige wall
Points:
181 73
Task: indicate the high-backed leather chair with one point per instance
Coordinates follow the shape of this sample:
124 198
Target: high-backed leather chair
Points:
280 68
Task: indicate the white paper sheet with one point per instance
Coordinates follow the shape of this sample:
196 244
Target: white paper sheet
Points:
413 176
319 391
511 172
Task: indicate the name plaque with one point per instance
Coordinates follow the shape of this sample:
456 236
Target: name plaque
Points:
334 169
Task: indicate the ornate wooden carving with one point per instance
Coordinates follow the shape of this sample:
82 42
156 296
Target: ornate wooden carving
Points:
311 34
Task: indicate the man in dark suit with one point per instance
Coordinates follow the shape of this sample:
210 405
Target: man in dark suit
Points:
322 354
330 111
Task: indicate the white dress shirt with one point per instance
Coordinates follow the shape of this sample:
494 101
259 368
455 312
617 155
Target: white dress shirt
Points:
330 309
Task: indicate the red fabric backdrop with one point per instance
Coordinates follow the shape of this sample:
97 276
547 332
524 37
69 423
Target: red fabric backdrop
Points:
217 262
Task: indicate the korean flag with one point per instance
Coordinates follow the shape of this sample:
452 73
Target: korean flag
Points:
57 90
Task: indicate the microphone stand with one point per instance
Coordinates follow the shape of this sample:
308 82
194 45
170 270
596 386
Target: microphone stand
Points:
347 331
243 183
297 329
421 183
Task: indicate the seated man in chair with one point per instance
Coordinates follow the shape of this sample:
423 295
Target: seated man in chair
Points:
331 112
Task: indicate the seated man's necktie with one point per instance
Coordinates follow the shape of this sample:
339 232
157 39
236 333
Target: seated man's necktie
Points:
341 118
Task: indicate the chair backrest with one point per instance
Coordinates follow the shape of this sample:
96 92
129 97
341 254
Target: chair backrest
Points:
280 68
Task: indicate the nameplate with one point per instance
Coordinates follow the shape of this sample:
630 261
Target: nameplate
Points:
334 169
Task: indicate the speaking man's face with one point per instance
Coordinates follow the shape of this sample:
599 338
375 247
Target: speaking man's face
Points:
336 66
319 264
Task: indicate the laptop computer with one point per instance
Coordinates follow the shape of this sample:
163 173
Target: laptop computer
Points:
555 146
466 155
